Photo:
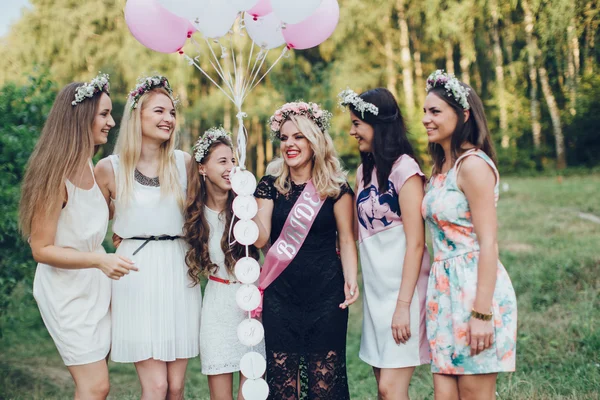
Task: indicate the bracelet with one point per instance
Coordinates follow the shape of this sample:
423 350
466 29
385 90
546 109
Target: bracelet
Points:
483 317
405 302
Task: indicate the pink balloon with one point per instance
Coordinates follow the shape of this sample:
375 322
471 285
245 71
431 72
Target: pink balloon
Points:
155 27
263 7
191 29
315 29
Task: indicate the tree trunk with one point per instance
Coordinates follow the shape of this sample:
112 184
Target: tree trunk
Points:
536 127
588 50
257 130
498 60
227 116
559 139
391 74
571 73
407 73
419 81
268 151
185 136
465 62
449 49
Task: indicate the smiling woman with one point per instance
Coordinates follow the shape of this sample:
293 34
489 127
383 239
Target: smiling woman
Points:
156 311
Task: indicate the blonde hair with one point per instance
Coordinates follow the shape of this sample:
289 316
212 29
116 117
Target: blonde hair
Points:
63 150
129 148
327 174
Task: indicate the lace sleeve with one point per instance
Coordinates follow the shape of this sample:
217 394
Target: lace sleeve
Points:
266 188
345 188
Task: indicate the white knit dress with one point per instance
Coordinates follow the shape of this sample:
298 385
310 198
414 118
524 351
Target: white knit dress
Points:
220 348
156 310
75 303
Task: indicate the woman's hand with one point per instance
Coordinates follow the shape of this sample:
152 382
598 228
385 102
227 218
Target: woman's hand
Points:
401 323
351 292
480 335
116 239
115 267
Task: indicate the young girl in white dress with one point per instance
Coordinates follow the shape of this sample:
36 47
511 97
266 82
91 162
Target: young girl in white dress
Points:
391 236
208 218
155 312
65 217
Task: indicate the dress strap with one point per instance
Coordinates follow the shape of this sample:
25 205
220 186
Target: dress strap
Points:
114 160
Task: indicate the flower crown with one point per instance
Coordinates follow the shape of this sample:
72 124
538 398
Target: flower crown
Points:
88 90
349 96
452 86
146 84
206 140
312 111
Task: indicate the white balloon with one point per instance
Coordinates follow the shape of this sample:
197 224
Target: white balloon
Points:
253 365
181 8
265 31
243 5
245 232
247 270
215 19
243 182
293 12
245 207
250 332
247 297
255 389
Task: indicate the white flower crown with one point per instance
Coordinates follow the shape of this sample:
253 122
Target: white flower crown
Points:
146 84
452 86
206 140
349 96
88 90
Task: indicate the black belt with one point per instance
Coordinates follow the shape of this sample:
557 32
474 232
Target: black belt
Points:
150 238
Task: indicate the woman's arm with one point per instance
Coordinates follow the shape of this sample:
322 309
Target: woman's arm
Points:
477 180
343 210
43 233
105 178
263 220
409 199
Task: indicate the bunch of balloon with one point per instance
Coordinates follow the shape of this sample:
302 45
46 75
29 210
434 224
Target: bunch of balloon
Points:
250 332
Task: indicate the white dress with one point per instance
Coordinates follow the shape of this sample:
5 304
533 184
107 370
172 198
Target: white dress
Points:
220 348
75 303
156 310
382 245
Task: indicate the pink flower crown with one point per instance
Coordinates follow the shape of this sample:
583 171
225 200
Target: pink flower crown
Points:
146 84
312 111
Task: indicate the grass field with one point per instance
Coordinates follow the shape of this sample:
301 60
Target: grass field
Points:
549 242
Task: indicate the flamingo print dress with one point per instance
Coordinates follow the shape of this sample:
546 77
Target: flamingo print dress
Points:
382 245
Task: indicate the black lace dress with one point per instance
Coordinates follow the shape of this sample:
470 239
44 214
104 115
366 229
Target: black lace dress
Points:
305 330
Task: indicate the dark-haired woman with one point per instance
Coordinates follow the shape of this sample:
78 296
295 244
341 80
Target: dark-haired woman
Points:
471 304
391 234
207 219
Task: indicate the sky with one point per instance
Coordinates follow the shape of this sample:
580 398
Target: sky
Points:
10 11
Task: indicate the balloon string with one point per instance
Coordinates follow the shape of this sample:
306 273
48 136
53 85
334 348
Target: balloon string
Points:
285 50
191 61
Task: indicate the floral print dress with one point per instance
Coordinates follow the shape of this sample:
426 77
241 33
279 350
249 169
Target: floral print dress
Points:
453 283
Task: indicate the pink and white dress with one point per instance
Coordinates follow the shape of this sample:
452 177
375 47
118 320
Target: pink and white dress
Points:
382 245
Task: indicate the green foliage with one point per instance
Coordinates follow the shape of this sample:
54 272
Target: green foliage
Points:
23 110
582 131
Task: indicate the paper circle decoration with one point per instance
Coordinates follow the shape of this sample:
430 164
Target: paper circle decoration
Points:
243 182
253 365
245 232
247 297
250 332
247 270
255 389
245 207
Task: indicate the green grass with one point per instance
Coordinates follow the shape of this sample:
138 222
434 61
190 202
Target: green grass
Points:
552 257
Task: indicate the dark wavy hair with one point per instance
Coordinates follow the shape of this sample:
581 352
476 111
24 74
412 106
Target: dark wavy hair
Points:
197 230
474 131
390 139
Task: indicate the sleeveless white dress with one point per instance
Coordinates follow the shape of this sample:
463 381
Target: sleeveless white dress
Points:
156 310
75 303
220 348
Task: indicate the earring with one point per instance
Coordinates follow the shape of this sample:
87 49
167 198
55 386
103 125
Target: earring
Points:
204 177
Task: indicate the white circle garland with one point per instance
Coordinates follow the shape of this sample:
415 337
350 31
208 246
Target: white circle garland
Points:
250 331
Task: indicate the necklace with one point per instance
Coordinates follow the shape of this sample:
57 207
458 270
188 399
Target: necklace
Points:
146 181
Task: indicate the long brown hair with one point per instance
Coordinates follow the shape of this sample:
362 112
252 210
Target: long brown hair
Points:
196 228
474 130
62 151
